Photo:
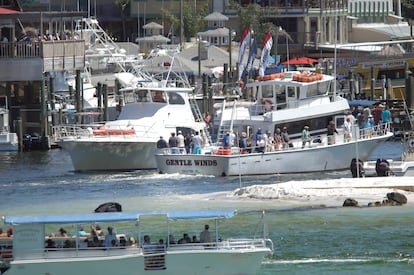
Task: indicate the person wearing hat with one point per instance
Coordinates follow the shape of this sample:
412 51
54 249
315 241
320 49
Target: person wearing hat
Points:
368 126
243 143
305 136
111 240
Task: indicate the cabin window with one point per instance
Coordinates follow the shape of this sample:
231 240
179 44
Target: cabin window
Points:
158 96
267 91
291 92
175 98
141 96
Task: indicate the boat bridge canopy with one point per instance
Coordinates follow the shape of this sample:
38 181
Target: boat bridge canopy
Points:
117 216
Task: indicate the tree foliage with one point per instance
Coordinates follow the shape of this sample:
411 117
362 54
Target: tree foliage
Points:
193 19
255 17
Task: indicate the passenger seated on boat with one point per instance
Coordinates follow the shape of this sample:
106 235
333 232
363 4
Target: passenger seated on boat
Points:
185 239
226 140
69 244
50 244
82 232
93 240
111 240
194 239
62 233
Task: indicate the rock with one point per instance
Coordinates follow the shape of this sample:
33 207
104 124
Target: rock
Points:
397 197
109 207
350 203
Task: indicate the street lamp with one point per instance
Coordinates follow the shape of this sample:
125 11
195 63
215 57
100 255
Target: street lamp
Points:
199 56
231 35
287 36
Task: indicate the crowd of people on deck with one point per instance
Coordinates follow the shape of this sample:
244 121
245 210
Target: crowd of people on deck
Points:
96 237
366 118
183 144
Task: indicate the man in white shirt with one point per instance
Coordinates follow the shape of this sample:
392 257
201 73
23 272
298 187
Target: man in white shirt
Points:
181 144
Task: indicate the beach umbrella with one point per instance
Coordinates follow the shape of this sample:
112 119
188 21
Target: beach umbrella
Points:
300 61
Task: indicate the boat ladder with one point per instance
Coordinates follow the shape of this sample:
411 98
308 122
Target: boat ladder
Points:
198 117
225 125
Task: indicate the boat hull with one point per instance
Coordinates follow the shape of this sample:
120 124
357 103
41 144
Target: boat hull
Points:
313 159
224 262
112 155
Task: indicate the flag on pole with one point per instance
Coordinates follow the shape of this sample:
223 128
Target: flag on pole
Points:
243 45
267 46
252 54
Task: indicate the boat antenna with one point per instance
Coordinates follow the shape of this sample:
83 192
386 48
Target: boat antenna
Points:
335 41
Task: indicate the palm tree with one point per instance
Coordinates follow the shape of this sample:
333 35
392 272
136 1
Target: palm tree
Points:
122 4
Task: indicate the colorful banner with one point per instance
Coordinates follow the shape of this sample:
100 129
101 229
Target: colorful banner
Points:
252 54
245 39
267 46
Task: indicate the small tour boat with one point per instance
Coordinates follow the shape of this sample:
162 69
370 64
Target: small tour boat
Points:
145 245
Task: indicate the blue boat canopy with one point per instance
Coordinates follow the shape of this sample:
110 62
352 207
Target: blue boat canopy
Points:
117 217
368 103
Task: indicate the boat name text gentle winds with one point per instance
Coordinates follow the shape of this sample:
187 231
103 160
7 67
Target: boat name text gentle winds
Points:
189 162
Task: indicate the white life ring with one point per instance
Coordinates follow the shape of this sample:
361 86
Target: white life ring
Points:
411 143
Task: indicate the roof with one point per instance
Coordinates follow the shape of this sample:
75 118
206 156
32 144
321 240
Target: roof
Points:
152 25
117 216
216 16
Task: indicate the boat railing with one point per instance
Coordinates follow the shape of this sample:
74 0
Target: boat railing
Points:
78 131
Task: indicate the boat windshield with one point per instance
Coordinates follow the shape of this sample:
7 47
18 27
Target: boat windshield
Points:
175 98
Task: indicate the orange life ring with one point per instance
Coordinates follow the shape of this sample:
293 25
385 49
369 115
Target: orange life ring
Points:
265 103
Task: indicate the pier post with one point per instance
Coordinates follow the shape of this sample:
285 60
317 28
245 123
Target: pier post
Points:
225 77
78 94
105 101
99 96
43 107
372 84
205 93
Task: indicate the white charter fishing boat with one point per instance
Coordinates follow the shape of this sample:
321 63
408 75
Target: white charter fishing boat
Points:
292 100
32 251
129 143
8 140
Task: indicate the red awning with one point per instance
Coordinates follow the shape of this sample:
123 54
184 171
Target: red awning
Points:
7 11
300 61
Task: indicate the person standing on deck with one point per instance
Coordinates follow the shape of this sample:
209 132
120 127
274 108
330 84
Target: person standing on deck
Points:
180 143
305 136
331 131
386 118
173 143
347 130
197 144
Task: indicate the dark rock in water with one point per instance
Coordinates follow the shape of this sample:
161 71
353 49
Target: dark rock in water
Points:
350 203
397 197
109 207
